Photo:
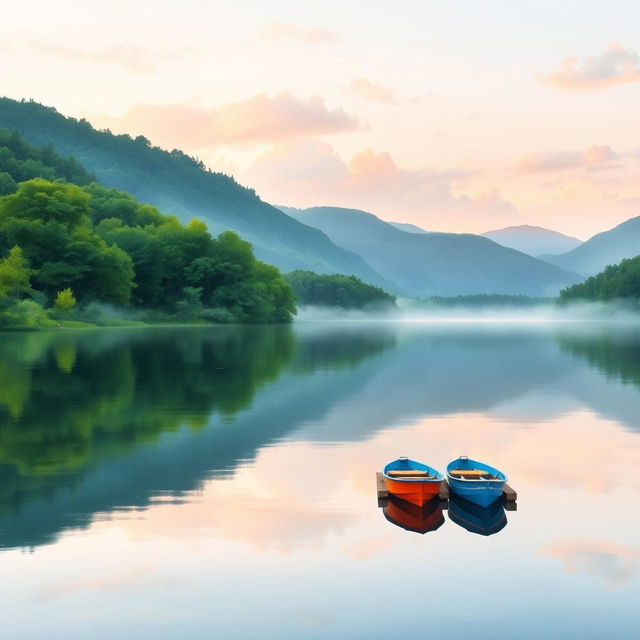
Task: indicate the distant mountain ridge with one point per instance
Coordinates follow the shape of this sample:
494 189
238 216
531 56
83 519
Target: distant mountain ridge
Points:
534 241
408 227
443 264
608 247
180 185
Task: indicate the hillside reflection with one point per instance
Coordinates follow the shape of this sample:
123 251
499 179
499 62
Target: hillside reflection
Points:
95 422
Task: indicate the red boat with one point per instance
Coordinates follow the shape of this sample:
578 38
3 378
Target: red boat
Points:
412 481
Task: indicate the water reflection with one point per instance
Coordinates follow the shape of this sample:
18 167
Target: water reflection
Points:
485 521
148 469
411 517
98 421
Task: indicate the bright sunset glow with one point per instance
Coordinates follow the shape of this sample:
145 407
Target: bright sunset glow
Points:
458 116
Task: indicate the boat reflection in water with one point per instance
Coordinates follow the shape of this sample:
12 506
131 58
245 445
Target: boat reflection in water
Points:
412 517
484 521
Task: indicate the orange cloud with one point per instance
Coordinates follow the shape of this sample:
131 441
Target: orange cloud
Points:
614 563
130 57
372 91
307 172
594 158
311 35
261 118
615 65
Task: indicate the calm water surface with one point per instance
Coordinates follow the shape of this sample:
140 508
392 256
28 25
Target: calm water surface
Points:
193 482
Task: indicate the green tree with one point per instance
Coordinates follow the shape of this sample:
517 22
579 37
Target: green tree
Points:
616 282
14 274
65 301
337 290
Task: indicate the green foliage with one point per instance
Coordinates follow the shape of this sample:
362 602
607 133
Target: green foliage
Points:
23 314
51 223
14 274
336 290
65 301
20 161
109 248
616 282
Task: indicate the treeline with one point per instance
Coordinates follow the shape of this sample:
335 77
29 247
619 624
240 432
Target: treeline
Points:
616 282
484 300
337 290
63 243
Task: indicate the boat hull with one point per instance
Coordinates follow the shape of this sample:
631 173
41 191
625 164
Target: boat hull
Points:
480 492
416 492
473 487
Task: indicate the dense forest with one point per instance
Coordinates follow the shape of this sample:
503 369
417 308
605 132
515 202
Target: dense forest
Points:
181 185
616 282
337 290
71 245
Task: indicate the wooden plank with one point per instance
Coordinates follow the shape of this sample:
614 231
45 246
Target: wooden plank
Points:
444 490
509 494
381 486
469 473
410 473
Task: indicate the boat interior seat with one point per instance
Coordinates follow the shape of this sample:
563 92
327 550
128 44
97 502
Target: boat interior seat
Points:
471 474
409 473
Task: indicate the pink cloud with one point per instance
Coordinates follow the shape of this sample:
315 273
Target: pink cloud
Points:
595 157
614 563
307 172
288 31
129 57
615 65
372 91
259 119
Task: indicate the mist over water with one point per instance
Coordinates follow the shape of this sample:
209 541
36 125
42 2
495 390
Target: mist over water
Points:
597 313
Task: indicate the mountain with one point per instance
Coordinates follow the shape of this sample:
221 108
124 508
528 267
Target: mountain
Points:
534 241
408 227
443 264
608 247
180 185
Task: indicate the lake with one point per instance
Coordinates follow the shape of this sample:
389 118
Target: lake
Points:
194 482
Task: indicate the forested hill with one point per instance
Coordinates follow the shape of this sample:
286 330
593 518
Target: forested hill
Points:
68 250
180 185
619 282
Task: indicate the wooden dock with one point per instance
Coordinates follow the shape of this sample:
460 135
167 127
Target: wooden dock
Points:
509 495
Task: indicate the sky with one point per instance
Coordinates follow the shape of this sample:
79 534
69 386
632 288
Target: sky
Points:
457 116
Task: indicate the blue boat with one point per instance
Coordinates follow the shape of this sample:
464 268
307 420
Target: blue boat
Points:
475 481
484 521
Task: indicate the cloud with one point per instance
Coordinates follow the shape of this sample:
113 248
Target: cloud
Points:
612 562
130 57
112 581
259 119
288 31
596 157
372 91
309 172
615 65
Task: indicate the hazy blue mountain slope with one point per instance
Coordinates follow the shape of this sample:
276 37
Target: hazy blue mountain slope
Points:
177 184
443 264
534 241
608 247
408 227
